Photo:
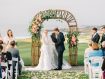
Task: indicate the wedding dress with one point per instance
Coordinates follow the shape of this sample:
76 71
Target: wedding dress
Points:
48 57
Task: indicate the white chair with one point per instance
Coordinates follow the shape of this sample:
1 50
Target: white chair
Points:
86 63
95 71
10 71
22 64
5 72
16 67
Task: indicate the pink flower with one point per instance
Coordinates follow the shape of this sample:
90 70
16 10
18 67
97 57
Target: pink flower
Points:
73 40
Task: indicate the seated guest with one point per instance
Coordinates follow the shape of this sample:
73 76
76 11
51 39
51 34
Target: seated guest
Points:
5 57
95 36
96 51
15 53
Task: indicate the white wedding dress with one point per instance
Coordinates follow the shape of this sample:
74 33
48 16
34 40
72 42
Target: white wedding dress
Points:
48 57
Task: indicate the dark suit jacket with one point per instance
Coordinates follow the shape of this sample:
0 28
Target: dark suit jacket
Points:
6 56
103 38
59 42
53 38
96 38
15 54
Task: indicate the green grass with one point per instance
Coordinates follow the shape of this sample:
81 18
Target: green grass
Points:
53 75
25 52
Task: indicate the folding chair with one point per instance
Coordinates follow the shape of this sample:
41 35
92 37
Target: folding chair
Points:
95 71
86 62
5 72
16 66
10 70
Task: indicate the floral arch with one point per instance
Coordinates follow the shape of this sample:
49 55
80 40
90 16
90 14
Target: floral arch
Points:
36 26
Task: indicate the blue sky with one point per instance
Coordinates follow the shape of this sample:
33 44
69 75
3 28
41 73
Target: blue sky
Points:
17 14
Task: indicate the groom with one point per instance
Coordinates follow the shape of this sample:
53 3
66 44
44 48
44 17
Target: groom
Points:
58 39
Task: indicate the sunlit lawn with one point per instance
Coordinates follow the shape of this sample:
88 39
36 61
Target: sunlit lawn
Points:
54 75
25 52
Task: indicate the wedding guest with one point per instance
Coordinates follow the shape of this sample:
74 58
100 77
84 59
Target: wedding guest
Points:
5 57
103 48
103 35
95 36
96 51
103 65
8 38
15 53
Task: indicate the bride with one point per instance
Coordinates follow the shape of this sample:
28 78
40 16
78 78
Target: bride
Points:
48 58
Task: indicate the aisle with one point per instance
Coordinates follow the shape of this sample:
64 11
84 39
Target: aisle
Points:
76 72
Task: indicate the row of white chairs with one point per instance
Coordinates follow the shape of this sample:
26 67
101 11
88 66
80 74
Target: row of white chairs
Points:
92 67
8 73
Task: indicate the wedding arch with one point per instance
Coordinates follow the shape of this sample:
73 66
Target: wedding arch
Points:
36 26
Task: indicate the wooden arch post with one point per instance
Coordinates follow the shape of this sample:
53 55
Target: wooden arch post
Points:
35 28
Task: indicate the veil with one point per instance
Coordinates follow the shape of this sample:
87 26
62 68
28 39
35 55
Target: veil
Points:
46 39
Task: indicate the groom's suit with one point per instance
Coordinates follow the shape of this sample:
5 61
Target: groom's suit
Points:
59 44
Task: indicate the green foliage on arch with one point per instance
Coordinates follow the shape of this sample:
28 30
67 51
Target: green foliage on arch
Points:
37 22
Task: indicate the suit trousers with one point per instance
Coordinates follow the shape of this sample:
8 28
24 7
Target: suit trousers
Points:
60 59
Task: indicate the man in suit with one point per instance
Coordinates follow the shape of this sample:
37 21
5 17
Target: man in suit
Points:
103 40
103 35
58 39
15 53
95 36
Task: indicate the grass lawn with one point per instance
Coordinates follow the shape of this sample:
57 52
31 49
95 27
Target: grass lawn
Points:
25 52
53 75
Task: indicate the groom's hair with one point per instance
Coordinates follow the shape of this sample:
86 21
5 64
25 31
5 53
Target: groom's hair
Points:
56 29
94 28
103 27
